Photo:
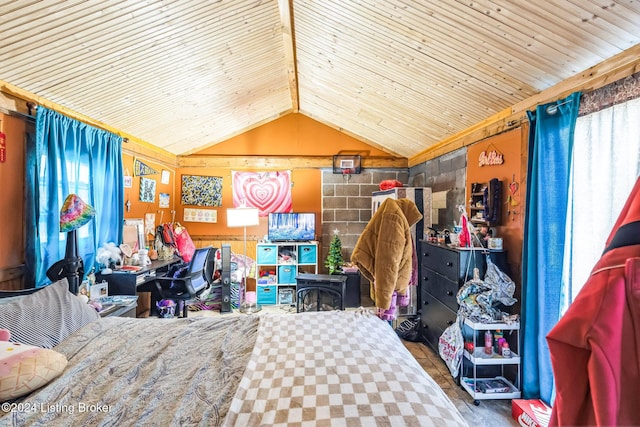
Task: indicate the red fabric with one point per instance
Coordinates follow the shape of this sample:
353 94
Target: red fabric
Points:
390 183
595 347
464 238
185 244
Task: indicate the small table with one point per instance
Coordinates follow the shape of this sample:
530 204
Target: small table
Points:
120 310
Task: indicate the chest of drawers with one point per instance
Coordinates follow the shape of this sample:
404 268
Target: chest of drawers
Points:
443 271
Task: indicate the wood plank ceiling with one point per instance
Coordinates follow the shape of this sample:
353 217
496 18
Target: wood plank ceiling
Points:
401 75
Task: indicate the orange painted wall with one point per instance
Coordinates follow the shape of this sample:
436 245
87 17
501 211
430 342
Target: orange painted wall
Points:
305 194
138 208
292 135
12 179
511 144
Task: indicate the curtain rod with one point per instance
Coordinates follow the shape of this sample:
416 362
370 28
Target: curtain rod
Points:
28 117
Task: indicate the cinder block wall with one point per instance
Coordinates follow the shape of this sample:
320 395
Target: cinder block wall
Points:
346 206
446 175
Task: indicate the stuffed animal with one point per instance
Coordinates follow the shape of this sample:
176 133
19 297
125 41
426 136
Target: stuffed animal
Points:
107 255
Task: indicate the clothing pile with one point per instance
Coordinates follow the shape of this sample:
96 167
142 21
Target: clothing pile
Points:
480 300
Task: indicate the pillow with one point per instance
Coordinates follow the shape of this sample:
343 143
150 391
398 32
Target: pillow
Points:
46 317
24 368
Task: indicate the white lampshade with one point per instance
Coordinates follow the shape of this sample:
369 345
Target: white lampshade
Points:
242 217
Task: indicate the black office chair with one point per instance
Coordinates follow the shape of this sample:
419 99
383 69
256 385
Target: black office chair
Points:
191 283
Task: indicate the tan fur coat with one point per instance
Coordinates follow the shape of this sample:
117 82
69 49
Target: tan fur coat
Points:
384 249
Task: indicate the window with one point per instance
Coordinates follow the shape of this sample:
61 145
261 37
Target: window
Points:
606 164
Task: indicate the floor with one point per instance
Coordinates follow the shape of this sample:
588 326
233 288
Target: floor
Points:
489 413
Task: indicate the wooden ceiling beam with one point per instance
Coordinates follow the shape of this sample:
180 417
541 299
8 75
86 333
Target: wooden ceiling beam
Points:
288 38
283 162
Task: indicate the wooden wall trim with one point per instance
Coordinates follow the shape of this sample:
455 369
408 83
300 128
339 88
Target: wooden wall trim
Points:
282 162
620 66
134 149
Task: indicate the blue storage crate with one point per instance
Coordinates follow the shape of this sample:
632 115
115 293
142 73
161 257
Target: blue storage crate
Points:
287 274
267 254
307 254
266 294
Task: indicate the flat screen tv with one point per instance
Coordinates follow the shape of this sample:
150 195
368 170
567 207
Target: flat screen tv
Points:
292 227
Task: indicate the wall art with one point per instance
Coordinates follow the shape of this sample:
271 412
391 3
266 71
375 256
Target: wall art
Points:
200 215
201 190
267 191
165 177
140 169
163 200
147 190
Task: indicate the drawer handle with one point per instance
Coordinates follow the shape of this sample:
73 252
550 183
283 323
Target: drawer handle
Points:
449 264
449 293
425 278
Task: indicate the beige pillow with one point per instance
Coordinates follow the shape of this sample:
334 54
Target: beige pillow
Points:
24 368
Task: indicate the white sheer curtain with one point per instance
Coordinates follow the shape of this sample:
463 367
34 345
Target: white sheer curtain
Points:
606 164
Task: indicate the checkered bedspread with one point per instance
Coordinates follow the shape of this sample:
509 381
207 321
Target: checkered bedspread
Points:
336 368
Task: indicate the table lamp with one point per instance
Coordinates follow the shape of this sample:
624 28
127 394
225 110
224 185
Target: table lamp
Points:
74 214
244 217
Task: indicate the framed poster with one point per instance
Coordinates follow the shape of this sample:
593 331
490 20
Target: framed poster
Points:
147 190
201 190
163 200
166 175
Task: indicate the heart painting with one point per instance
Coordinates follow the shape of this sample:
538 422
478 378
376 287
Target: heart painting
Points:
267 191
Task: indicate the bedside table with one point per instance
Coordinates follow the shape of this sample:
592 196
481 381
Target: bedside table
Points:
120 310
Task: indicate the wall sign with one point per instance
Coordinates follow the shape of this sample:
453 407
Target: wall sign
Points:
3 148
490 158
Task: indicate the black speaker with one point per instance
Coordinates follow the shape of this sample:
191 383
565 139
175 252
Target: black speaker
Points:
225 278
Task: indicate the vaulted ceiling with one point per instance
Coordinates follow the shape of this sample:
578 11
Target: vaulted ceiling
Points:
400 75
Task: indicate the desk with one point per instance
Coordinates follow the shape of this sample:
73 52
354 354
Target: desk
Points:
124 282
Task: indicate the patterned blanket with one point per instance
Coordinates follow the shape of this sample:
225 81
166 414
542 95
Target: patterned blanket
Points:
144 372
336 368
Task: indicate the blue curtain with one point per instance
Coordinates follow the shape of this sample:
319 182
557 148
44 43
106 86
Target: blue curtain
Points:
550 150
72 157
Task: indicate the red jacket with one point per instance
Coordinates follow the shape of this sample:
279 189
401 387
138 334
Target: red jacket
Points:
595 347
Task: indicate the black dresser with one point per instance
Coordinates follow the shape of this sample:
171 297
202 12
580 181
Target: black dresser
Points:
443 271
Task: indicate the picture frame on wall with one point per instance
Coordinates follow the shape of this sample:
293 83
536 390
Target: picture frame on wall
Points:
163 200
147 190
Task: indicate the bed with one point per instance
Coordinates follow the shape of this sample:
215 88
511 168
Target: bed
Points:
317 368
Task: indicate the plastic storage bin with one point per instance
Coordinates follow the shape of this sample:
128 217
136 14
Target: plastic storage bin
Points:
307 254
266 294
287 274
267 254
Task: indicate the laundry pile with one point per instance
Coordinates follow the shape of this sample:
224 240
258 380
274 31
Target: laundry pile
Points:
481 300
